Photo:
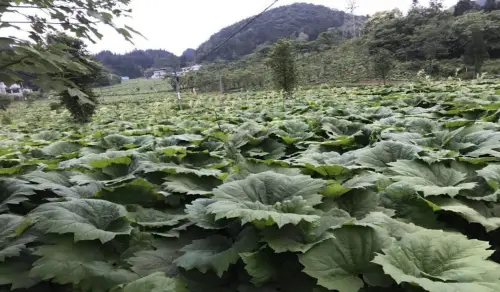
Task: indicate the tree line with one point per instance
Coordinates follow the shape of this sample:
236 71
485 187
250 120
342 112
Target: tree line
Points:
441 42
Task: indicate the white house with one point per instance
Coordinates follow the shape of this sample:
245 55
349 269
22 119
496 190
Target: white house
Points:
125 78
191 69
14 89
160 73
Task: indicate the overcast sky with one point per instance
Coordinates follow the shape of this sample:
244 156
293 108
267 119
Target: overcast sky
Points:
176 25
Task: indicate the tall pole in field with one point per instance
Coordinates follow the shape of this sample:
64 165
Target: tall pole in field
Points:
221 89
177 88
352 5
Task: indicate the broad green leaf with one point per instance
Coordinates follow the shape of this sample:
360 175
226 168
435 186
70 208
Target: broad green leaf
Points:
85 218
171 168
116 141
394 227
152 218
139 191
359 203
16 272
269 197
467 210
328 170
152 261
49 179
385 152
66 262
337 263
13 192
441 261
305 236
431 180
191 184
197 213
10 244
157 282
102 163
60 148
491 174
260 266
246 168
409 205
216 252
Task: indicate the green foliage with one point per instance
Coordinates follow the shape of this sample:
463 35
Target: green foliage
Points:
81 102
5 101
20 58
107 79
281 61
134 63
475 49
275 24
382 60
374 188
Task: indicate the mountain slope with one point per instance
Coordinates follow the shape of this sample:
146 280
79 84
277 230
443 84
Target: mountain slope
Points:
134 63
281 22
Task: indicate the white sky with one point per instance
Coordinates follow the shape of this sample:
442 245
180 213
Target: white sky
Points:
176 25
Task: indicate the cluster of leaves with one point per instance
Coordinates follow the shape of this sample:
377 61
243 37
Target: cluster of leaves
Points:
381 188
36 60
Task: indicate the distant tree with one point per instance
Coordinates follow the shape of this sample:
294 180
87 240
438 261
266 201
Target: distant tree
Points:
81 105
463 6
148 73
188 57
475 50
106 78
302 37
436 4
135 63
281 61
5 101
432 45
491 5
382 62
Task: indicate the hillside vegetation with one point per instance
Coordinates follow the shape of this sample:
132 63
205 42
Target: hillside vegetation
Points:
304 21
427 38
134 64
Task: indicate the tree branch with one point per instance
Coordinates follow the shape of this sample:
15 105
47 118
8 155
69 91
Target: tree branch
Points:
13 63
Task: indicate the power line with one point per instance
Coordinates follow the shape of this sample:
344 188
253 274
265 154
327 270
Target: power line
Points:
238 31
41 7
49 22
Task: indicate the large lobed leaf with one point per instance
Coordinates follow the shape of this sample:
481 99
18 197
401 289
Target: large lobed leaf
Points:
337 263
441 261
269 197
431 180
86 219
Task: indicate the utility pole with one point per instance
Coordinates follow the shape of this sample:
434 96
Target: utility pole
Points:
177 88
221 89
351 7
221 85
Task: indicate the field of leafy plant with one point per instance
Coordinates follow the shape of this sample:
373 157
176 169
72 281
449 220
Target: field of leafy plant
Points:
359 189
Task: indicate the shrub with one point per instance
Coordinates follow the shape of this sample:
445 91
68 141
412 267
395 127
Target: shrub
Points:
5 101
55 106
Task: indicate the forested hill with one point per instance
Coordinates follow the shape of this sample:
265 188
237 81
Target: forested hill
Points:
304 21
134 64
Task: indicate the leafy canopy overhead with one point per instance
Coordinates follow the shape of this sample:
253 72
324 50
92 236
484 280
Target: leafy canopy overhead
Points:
40 61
